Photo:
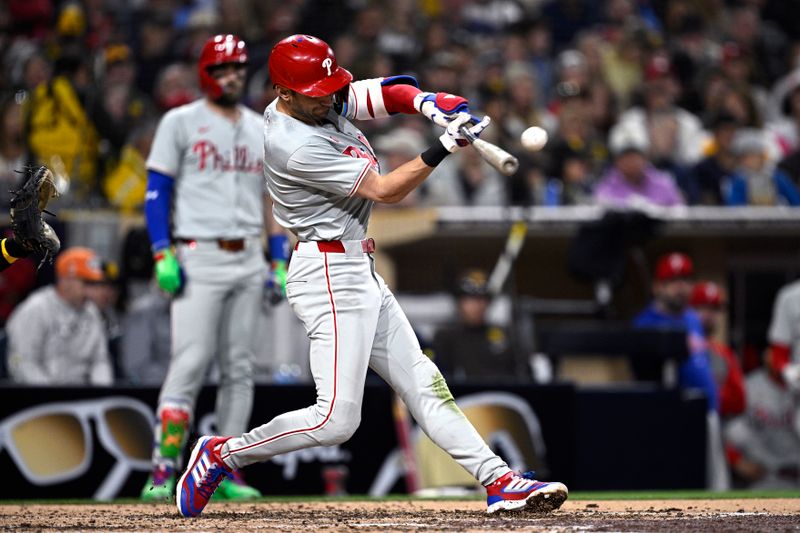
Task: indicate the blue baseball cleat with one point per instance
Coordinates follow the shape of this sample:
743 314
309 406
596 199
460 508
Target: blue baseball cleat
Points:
203 474
521 492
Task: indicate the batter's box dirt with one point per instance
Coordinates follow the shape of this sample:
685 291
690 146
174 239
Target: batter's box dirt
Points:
771 515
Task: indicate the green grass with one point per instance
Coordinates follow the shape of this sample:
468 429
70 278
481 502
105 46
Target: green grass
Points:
578 496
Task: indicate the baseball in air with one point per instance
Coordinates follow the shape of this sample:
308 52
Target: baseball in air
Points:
533 139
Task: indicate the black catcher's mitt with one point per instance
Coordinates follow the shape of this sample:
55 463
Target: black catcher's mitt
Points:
27 205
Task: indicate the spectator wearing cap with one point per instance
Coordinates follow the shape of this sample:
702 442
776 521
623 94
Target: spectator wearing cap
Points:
708 302
56 336
712 172
672 289
104 294
675 137
632 180
756 181
472 349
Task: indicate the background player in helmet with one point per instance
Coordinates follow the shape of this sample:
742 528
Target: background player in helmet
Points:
672 289
205 170
708 302
324 179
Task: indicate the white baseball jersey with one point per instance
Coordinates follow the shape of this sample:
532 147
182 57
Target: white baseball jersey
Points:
217 165
765 433
312 186
352 319
785 325
218 176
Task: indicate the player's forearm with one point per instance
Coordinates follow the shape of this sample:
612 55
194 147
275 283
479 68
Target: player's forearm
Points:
394 186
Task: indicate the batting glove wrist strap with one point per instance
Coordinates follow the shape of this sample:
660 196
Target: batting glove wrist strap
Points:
435 154
440 108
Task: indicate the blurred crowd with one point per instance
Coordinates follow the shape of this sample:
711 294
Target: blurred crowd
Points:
669 102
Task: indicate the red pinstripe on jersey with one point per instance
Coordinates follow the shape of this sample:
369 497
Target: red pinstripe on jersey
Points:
335 379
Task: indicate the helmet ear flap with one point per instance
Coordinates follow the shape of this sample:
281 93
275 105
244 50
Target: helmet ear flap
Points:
340 99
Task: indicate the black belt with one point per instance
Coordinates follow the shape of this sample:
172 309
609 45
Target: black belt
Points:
229 245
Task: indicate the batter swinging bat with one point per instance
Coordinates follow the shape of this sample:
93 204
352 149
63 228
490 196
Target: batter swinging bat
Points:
494 155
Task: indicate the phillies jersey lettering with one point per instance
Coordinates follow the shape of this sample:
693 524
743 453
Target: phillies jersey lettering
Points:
216 169
238 159
354 151
313 187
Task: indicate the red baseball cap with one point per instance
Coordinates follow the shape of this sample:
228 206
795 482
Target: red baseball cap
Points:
706 293
659 66
674 265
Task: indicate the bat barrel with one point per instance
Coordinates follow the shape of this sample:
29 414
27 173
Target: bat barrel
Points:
492 154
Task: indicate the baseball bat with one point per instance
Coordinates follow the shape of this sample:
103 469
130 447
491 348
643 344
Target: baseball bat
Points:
402 426
499 275
506 163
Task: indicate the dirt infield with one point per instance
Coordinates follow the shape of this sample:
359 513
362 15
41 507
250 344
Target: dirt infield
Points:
774 515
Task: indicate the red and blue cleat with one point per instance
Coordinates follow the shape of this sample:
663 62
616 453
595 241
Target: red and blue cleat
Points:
522 492
202 476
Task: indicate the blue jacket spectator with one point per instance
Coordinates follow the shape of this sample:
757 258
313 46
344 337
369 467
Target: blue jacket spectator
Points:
672 289
739 190
755 181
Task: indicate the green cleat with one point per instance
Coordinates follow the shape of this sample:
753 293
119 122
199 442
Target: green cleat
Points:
236 489
160 486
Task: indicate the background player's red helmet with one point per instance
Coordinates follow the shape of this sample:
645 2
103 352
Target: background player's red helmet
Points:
219 50
706 293
674 265
306 64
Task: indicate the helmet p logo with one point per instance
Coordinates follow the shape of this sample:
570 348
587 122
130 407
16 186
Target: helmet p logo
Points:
327 63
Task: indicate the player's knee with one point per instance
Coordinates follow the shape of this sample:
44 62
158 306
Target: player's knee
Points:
237 374
341 425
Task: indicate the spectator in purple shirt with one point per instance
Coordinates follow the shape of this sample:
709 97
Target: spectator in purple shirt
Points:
632 180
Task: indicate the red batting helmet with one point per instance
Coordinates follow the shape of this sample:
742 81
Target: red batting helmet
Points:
219 50
706 293
306 64
674 265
